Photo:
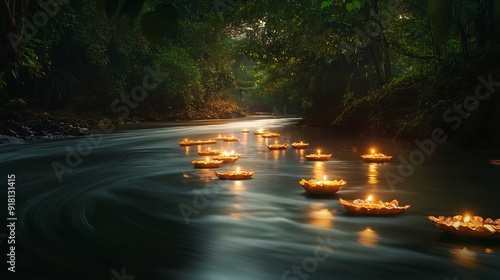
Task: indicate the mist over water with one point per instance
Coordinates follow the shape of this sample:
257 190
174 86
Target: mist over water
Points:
120 208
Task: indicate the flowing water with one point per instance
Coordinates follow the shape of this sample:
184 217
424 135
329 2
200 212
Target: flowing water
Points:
133 207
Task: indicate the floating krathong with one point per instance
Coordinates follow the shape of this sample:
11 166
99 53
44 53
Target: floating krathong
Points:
260 131
228 157
220 137
226 138
207 163
323 187
244 130
369 207
230 139
277 146
495 162
270 135
376 157
196 142
209 152
318 156
299 145
234 175
468 226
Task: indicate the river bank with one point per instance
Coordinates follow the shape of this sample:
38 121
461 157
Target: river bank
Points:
31 125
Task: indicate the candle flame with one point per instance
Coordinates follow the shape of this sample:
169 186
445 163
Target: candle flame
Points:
324 177
207 159
238 169
373 151
370 198
185 139
319 152
232 151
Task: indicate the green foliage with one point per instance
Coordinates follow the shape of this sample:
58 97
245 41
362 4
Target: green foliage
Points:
347 98
182 87
14 108
155 25
354 5
440 13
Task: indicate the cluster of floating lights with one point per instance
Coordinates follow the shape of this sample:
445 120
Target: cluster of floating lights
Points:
470 226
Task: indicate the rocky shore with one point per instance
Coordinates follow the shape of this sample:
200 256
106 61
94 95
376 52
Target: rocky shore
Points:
22 131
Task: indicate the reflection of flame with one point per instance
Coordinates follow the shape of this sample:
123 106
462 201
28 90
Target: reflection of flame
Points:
372 174
318 169
238 187
187 150
368 238
320 215
464 257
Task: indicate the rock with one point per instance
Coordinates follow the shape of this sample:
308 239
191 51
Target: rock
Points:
18 129
78 131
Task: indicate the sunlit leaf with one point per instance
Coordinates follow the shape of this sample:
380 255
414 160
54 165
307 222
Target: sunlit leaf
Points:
325 4
350 6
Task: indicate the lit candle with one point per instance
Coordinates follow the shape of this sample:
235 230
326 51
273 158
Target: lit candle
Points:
319 152
207 159
324 179
369 199
237 169
467 219
185 139
373 151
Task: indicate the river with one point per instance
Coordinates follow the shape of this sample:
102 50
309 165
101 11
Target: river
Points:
133 207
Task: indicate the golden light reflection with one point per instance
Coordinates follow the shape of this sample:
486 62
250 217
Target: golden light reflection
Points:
373 174
238 187
318 170
488 251
260 142
464 257
320 216
368 238
187 150
235 215
244 140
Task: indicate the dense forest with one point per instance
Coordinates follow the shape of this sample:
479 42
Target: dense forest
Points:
389 68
